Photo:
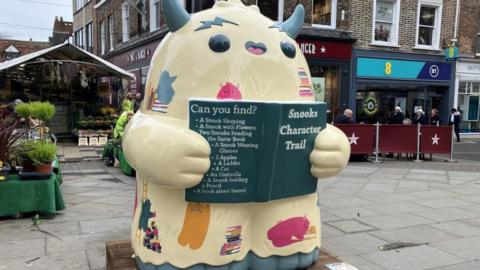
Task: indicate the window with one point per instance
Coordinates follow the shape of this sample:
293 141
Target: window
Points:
125 18
110 32
193 6
78 5
478 40
385 28
324 13
89 36
428 22
78 38
102 37
272 9
154 15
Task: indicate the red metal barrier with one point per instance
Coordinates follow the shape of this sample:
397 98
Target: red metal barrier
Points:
436 139
398 139
361 137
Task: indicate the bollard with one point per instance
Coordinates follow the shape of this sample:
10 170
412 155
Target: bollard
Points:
377 135
451 147
418 144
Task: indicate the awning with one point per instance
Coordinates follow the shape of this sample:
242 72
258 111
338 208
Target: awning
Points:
67 52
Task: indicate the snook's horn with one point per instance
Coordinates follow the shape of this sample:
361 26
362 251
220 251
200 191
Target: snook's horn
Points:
175 15
294 24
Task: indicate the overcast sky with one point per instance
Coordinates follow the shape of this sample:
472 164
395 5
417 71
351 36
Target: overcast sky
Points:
25 19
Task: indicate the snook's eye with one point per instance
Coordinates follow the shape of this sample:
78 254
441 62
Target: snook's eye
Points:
219 43
288 49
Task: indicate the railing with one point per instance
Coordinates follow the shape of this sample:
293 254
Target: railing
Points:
410 139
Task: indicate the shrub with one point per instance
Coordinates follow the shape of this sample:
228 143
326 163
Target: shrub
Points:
42 153
23 110
42 110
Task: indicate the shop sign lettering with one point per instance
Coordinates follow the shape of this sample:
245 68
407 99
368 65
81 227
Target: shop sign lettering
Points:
138 55
308 48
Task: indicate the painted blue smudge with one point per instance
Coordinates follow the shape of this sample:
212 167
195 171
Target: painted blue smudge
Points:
165 90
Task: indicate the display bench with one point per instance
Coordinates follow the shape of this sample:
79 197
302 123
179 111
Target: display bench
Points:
119 257
36 195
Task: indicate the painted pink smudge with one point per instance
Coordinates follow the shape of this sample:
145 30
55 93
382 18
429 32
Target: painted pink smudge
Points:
229 91
283 232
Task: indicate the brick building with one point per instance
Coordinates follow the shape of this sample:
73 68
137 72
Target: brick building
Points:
83 21
467 94
62 30
348 44
398 59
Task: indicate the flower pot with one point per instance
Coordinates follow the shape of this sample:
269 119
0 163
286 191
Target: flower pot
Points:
28 166
43 168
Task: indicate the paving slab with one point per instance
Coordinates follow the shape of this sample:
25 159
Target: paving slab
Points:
464 247
329 231
75 260
105 225
352 244
413 258
394 221
446 214
360 263
462 266
22 248
397 208
353 212
459 228
351 226
421 234
443 202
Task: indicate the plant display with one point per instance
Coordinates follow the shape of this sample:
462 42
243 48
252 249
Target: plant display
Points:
42 110
41 152
11 131
23 110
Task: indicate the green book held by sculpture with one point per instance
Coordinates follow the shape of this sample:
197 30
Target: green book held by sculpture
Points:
260 150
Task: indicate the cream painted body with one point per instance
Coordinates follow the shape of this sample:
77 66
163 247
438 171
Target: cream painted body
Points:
168 157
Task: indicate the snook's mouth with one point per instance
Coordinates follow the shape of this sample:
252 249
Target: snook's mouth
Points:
255 48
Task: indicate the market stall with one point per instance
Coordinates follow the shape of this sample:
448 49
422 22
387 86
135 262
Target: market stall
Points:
84 88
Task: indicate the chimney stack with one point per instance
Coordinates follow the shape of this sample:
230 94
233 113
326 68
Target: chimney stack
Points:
61 19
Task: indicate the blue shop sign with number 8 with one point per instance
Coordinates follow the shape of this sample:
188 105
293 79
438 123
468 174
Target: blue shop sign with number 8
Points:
403 69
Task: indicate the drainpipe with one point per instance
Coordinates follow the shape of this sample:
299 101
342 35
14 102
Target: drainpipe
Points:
455 33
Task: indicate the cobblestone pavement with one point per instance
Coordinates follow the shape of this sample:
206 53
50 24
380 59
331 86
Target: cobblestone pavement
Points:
367 206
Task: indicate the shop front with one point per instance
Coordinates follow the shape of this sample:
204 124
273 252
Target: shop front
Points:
329 63
385 80
136 59
468 95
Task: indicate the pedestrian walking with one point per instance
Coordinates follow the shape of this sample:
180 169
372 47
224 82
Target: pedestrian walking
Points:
455 121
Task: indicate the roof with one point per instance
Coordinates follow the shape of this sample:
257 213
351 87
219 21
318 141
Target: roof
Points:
23 46
71 52
12 49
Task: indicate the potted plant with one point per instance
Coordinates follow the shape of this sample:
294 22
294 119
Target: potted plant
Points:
42 154
43 111
11 131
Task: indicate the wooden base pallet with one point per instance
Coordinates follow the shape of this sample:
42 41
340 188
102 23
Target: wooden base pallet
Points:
119 257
